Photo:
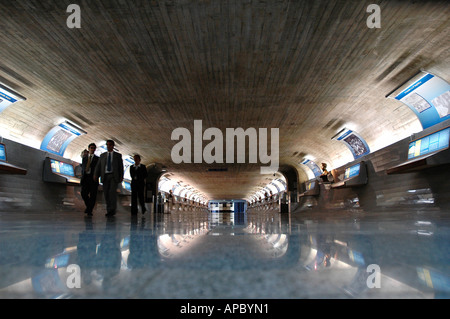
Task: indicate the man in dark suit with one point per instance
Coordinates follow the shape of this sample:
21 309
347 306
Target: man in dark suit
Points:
110 169
89 186
138 173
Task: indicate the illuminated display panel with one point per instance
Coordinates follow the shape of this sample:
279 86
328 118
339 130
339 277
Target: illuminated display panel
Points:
276 186
281 184
428 97
57 140
313 167
429 144
357 145
310 185
356 257
352 171
62 168
7 97
126 185
57 261
2 153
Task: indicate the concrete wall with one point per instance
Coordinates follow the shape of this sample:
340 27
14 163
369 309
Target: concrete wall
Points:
427 189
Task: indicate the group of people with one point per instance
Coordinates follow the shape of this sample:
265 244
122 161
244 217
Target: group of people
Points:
109 167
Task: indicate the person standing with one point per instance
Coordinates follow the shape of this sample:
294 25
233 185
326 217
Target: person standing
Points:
138 173
110 169
171 201
89 186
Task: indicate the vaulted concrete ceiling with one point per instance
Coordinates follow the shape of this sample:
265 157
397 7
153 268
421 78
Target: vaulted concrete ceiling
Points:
137 70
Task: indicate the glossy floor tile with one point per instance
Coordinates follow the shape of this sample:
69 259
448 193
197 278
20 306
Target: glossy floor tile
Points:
201 255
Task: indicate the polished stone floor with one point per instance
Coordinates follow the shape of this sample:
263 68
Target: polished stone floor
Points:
201 255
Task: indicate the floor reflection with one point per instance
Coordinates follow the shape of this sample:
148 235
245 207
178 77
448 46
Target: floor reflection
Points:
228 255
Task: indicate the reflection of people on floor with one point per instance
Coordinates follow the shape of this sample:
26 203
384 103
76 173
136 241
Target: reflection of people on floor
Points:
109 257
143 247
360 251
325 249
87 251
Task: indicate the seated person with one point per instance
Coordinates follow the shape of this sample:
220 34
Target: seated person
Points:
324 176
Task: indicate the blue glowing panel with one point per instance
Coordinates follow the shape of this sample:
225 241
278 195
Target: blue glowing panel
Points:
62 168
7 98
355 143
57 140
58 261
429 144
276 186
126 185
310 185
2 153
428 98
356 257
313 166
352 171
125 242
